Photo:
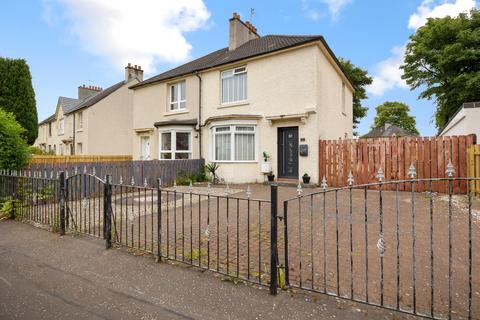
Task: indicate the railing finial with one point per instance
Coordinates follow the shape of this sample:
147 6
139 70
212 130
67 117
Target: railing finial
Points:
350 178
145 182
132 181
248 192
450 169
299 189
380 175
411 171
324 184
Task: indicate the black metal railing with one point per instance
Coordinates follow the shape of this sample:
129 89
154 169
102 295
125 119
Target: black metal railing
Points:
402 250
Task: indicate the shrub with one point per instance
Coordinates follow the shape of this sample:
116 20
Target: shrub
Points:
13 147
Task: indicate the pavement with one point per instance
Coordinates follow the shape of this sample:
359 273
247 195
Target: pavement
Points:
46 276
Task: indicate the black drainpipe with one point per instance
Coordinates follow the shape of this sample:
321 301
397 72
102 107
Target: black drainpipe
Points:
199 113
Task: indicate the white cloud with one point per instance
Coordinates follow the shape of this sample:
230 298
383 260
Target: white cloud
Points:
335 6
142 32
428 9
387 73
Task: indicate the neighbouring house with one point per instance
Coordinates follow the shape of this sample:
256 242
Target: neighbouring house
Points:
98 122
388 130
465 121
277 94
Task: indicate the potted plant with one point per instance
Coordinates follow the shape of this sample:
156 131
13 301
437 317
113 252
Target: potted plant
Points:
271 176
306 178
266 167
212 168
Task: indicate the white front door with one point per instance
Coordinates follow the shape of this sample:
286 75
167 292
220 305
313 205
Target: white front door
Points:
145 148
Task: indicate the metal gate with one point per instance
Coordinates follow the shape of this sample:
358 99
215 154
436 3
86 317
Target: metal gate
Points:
85 204
411 252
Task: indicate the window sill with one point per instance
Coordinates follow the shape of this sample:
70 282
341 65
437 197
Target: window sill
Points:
234 104
80 130
172 113
233 162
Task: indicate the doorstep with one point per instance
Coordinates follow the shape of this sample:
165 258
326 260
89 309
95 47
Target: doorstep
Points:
283 182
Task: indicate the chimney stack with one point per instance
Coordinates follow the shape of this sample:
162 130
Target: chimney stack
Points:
87 91
132 72
240 32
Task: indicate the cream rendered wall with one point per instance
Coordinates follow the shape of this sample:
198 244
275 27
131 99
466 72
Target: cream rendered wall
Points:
151 104
282 84
333 123
81 134
109 123
67 132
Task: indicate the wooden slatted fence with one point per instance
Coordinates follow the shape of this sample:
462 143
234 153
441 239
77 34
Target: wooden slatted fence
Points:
364 157
473 159
38 159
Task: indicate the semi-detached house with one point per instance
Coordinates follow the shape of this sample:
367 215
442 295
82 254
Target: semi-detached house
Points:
98 122
277 94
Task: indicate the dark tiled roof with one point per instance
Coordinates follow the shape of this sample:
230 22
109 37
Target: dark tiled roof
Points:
252 48
47 120
90 101
466 105
388 131
67 104
190 122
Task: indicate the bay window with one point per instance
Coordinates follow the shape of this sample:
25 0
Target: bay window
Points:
234 143
178 100
175 145
234 85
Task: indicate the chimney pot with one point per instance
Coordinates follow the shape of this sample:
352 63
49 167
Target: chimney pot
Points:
129 65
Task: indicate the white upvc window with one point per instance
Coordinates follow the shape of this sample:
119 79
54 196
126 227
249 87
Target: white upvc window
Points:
178 97
344 98
175 144
61 126
234 143
234 85
80 120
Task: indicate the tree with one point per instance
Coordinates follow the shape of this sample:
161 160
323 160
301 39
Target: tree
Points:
13 147
360 80
443 59
395 113
17 95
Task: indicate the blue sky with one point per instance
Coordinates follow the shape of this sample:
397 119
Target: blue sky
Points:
72 42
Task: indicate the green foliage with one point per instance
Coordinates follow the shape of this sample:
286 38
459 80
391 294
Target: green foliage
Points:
201 175
6 210
395 113
184 179
443 59
13 148
360 79
17 95
212 169
265 156
37 151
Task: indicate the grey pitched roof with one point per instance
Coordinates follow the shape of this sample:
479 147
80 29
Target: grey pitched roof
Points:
47 120
90 101
252 48
466 105
388 131
67 104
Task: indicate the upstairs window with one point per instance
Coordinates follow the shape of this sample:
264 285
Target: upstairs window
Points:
234 85
344 107
61 126
80 120
178 100
49 129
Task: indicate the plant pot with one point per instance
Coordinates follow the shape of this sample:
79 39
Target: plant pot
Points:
271 177
306 179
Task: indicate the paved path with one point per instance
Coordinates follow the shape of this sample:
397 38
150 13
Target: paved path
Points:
45 276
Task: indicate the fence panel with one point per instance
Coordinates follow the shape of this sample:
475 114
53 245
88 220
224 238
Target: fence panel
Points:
394 155
473 168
